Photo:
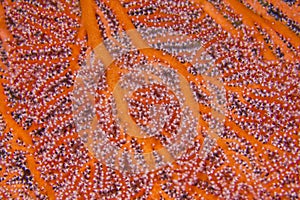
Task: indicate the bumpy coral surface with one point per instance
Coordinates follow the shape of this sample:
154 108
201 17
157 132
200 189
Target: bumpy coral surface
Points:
108 99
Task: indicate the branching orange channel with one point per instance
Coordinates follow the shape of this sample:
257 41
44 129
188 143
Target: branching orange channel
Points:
246 147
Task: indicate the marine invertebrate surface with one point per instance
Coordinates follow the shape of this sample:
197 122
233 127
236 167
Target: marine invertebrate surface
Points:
149 99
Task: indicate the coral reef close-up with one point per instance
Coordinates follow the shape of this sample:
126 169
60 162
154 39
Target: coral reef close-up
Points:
150 99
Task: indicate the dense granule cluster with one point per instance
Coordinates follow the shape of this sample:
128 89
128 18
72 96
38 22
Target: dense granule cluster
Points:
149 99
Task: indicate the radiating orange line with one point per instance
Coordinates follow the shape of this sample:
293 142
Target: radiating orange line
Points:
90 22
249 18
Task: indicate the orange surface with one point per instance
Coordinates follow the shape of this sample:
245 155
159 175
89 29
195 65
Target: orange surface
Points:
44 46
